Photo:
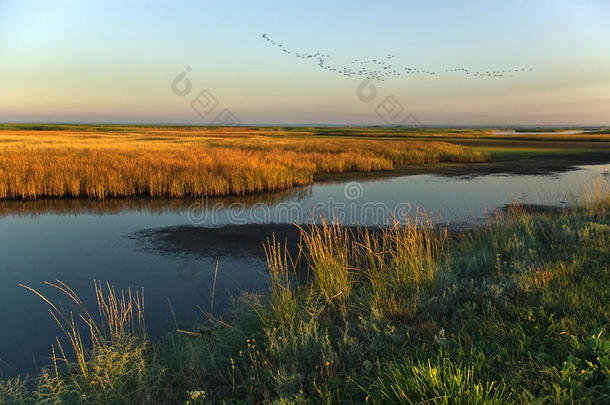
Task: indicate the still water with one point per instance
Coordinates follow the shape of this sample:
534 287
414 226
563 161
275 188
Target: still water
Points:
171 247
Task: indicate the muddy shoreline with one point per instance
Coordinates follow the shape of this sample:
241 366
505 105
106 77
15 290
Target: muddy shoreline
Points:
250 239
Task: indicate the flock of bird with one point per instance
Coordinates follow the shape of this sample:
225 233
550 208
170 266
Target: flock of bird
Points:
382 69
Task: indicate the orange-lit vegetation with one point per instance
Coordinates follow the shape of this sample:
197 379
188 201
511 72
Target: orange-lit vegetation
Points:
179 162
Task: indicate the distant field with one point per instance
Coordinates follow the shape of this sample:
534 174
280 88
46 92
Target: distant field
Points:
102 161
118 161
591 134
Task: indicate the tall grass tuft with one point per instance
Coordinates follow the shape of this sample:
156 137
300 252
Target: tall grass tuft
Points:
107 362
595 196
328 250
401 262
437 381
283 294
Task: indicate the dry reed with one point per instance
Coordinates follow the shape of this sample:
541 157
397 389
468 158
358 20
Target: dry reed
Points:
121 319
39 164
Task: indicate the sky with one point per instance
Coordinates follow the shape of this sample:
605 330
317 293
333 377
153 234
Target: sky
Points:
116 60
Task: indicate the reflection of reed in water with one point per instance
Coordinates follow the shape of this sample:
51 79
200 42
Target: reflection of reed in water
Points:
115 206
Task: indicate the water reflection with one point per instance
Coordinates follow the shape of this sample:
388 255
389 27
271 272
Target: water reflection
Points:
115 206
153 243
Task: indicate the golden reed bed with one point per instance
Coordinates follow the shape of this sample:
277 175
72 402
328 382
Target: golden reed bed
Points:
179 163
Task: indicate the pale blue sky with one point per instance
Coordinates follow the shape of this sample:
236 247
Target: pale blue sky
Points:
114 61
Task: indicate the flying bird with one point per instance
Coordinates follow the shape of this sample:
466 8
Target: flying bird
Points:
386 70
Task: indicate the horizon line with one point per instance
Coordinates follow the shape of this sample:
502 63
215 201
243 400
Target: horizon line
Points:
371 125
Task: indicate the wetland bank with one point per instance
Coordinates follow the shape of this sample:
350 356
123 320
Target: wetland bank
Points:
512 308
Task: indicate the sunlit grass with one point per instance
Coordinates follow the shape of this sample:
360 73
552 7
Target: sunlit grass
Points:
104 161
107 361
185 162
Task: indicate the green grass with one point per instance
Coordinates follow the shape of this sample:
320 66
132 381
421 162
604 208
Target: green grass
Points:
517 153
517 311
602 131
523 149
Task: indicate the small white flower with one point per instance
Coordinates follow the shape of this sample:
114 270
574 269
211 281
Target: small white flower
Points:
440 338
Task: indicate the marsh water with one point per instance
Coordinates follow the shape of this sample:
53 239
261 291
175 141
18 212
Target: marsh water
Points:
171 247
